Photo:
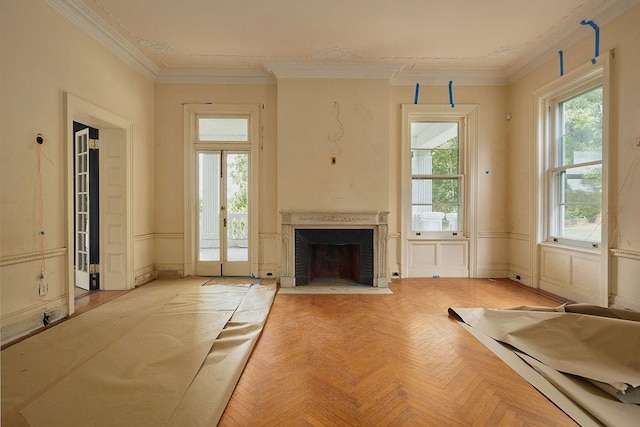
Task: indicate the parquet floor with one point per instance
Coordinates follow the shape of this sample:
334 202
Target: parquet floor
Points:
386 360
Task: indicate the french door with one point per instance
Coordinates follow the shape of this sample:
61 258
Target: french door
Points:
223 213
86 215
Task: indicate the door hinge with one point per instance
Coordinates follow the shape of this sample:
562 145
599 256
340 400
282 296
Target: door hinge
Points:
225 222
94 268
94 144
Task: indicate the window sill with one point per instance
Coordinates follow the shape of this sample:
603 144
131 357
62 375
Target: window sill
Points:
437 237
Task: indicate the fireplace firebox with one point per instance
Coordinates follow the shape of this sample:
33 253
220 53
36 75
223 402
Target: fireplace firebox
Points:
336 253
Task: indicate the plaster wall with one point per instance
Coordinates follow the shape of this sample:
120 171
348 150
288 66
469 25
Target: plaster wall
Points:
623 35
45 56
321 119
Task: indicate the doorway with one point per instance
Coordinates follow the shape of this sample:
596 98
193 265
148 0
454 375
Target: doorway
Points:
223 218
221 154
110 239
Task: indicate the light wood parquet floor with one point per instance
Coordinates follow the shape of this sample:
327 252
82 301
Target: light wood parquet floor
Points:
387 360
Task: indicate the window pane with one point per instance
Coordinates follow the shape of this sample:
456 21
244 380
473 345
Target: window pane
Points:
435 204
223 130
238 207
434 148
209 206
580 201
581 120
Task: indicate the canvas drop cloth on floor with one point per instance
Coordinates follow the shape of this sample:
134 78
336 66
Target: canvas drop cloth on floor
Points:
169 353
584 358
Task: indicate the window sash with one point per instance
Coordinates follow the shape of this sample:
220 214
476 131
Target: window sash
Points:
441 218
565 225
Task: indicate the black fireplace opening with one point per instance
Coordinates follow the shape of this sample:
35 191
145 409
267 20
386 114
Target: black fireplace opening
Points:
335 253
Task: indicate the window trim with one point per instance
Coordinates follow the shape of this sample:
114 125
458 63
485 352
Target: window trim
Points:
547 98
466 116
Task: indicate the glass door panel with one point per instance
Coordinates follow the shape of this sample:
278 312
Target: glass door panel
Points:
237 207
223 213
209 207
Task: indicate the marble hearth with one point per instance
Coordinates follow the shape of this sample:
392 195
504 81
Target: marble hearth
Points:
292 221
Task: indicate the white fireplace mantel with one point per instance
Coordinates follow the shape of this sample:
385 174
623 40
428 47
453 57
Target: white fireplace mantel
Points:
376 220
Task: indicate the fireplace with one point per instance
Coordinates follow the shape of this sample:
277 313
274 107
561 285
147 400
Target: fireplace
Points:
333 253
348 246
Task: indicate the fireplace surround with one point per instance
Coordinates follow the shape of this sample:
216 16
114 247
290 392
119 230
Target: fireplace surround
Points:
335 228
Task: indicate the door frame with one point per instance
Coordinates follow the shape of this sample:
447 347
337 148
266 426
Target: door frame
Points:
190 115
80 110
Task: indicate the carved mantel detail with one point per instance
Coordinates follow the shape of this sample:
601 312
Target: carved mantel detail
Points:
376 220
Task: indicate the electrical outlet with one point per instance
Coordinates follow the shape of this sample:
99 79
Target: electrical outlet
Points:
517 277
43 288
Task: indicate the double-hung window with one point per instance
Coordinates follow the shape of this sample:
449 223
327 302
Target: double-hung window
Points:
575 165
436 176
436 140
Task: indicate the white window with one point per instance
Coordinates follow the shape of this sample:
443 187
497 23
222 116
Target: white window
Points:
572 147
575 167
435 189
436 176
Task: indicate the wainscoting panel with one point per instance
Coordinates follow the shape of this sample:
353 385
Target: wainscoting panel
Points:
571 273
169 254
520 259
393 246
445 258
625 268
143 259
268 259
23 303
492 255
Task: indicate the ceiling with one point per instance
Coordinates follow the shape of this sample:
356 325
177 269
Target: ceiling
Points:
488 41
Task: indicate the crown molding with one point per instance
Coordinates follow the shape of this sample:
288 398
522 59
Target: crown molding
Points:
573 34
438 77
87 20
90 22
346 70
215 76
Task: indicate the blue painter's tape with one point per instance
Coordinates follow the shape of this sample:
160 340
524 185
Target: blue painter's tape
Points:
597 42
561 62
451 93
415 98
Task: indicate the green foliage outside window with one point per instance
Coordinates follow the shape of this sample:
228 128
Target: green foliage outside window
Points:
445 162
582 142
239 173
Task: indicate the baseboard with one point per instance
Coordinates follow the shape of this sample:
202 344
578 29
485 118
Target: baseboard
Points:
169 270
624 302
26 322
145 275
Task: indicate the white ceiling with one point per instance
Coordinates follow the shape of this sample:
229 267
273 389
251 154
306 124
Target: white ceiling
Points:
407 40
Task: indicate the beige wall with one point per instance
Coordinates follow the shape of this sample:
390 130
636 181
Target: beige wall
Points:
44 56
311 112
623 35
